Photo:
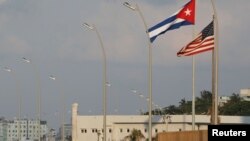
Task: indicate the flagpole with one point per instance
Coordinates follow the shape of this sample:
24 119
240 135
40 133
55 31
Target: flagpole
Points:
193 99
193 79
214 113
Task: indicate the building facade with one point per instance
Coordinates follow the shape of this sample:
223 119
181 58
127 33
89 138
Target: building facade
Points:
3 129
245 94
67 133
14 130
222 100
90 128
51 135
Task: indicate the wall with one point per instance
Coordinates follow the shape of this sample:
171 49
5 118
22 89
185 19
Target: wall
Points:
183 136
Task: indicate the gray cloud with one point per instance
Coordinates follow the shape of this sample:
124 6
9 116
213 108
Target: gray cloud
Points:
50 33
2 1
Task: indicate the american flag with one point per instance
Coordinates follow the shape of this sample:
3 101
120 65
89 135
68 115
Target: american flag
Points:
203 42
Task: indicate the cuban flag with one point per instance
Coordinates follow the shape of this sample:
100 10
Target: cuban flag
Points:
185 16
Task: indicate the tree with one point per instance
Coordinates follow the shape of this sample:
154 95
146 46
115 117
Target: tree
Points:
172 109
135 135
235 106
203 104
235 98
185 106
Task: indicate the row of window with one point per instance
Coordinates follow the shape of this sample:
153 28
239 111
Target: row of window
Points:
24 131
94 130
25 122
24 135
35 126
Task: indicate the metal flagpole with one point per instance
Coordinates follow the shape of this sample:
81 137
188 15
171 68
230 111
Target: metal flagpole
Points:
193 79
214 114
193 99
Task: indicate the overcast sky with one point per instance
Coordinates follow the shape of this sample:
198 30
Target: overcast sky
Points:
51 35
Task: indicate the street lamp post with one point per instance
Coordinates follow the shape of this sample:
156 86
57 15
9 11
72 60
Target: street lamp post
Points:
92 27
38 95
136 8
158 108
20 100
63 110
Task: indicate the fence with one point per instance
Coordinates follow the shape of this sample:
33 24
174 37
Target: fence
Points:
200 135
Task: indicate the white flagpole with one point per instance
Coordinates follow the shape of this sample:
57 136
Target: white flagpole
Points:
193 79
193 99
214 116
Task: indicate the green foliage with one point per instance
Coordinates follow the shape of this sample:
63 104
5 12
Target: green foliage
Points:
203 103
235 106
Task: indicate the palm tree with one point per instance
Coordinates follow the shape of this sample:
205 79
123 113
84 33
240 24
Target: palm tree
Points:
135 135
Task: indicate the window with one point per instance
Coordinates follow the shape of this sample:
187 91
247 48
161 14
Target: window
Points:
110 130
121 130
156 130
145 130
84 130
128 130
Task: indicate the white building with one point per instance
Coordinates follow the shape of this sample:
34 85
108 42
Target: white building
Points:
245 94
51 135
223 100
67 132
3 129
90 128
29 130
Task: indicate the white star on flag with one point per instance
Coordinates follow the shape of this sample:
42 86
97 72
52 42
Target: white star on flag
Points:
188 12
